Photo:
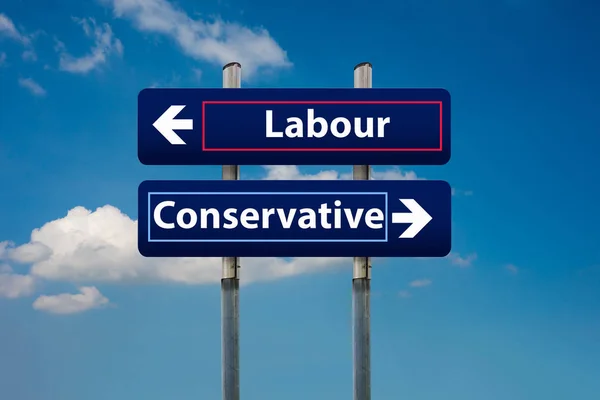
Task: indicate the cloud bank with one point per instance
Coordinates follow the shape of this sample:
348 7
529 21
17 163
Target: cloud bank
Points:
101 246
89 247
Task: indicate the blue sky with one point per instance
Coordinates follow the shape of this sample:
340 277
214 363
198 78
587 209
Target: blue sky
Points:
512 313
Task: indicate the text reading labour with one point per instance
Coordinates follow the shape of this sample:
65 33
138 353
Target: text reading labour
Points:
318 127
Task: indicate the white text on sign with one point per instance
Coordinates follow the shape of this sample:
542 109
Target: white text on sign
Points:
339 127
249 218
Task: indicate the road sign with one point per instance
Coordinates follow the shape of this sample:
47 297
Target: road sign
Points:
294 218
293 126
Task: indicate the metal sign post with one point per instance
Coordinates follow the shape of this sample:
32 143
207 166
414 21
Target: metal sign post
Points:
230 281
361 281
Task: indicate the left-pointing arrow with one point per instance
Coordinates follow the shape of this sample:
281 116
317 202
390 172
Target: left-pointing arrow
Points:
166 124
417 218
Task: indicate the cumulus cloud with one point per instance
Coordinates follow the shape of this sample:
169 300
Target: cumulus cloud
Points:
420 283
215 41
292 172
101 246
12 285
460 261
31 85
66 303
105 44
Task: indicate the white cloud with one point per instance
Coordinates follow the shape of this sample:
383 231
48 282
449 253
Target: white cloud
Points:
394 174
8 28
217 41
5 246
291 172
405 294
32 86
101 246
13 286
66 303
29 253
460 261
105 44
420 283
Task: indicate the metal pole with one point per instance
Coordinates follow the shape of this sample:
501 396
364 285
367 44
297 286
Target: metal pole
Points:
230 281
361 280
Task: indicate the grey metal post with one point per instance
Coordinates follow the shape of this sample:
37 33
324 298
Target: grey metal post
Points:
230 282
361 280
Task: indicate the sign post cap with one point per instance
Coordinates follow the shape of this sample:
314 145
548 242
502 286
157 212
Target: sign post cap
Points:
366 63
231 64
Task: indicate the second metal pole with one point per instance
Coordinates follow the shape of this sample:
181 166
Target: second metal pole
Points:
230 282
361 281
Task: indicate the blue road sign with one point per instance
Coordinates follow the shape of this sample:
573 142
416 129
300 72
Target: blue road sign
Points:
293 126
294 218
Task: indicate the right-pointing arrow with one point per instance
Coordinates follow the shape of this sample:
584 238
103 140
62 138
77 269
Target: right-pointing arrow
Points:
417 217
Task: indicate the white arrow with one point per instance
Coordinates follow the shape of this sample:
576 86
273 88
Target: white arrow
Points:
417 218
166 124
